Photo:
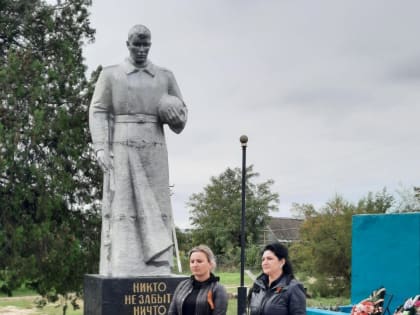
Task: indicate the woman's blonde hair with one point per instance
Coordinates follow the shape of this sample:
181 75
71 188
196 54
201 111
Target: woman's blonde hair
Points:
206 251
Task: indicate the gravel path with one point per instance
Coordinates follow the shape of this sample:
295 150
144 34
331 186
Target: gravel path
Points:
13 310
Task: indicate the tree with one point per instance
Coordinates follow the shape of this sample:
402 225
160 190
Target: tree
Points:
325 247
184 246
49 224
184 239
408 200
216 212
380 202
417 192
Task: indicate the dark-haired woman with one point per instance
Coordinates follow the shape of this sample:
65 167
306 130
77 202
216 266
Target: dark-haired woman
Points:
276 291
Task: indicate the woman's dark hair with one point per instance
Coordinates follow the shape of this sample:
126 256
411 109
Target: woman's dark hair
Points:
281 252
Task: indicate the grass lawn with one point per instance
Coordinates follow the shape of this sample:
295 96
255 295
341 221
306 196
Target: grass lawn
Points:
328 303
231 281
21 302
28 303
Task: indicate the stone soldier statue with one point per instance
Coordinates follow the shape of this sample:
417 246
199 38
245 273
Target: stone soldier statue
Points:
131 103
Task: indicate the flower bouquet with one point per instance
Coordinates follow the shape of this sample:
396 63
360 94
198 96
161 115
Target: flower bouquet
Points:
373 305
410 307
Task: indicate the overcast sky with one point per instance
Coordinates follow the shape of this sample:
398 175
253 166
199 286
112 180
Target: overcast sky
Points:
328 92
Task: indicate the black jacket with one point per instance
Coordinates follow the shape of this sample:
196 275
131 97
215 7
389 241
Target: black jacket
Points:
218 297
285 296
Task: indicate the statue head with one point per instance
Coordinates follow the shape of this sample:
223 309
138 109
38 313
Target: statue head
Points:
138 44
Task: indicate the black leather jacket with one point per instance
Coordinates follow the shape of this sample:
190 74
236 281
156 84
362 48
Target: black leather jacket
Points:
285 296
218 292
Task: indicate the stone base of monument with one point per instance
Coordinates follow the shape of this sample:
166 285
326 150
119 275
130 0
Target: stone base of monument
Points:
129 296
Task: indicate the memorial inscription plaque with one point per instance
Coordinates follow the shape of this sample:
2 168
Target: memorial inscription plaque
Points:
129 296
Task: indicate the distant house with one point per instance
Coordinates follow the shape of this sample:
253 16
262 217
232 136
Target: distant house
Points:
283 230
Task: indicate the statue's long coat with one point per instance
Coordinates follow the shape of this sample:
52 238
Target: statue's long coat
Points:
137 215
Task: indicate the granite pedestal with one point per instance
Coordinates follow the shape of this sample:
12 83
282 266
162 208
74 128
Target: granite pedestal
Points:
129 296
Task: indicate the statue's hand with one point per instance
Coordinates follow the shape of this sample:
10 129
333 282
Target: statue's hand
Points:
102 160
172 110
174 115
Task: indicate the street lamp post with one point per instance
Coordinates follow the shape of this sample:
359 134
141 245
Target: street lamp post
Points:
242 289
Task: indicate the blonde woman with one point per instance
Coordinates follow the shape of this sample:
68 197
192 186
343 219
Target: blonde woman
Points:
201 294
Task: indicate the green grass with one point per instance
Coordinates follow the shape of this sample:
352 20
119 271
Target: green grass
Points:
53 310
28 303
20 292
328 303
232 307
231 281
20 303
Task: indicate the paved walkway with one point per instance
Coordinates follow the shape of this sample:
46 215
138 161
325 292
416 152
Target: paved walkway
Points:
250 274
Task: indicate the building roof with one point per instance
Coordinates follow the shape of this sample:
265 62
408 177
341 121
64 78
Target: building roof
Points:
285 229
